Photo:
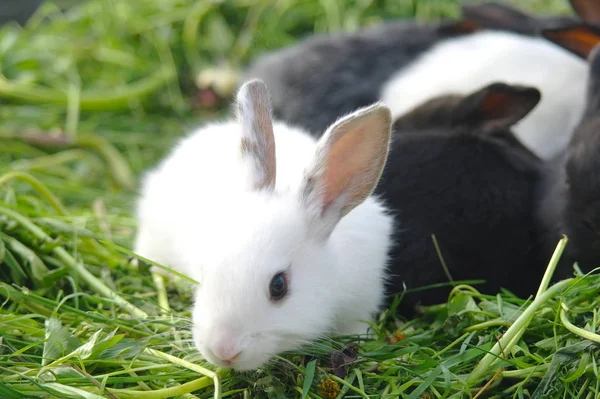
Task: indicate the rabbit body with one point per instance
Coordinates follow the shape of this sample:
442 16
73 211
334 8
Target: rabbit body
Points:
464 64
457 172
246 212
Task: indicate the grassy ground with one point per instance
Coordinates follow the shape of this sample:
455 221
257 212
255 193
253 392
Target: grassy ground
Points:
91 99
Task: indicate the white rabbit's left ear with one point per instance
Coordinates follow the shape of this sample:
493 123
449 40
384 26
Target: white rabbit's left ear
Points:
258 143
348 164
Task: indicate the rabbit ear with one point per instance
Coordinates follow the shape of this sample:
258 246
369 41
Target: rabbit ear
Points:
258 143
499 16
588 10
497 106
580 39
348 163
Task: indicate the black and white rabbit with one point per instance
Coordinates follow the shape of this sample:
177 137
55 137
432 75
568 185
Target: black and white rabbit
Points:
570 192
455 170
405 64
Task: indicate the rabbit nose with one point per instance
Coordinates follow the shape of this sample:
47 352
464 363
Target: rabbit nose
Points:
229 359
227 352
226 347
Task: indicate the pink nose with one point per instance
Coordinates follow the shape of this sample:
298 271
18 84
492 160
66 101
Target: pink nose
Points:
226 350
225 346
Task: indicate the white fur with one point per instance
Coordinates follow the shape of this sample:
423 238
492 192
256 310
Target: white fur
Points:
197 215
463 65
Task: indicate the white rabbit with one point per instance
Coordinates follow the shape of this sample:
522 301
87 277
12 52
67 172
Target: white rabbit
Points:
465 64
281 231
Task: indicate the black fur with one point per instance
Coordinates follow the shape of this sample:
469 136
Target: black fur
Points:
466 179
571 189
314 82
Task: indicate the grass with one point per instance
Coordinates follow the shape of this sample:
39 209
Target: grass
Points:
93 97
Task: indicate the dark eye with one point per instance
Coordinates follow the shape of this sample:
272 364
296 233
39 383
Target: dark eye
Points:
278 287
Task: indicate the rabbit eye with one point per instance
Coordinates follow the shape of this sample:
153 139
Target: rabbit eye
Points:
278 287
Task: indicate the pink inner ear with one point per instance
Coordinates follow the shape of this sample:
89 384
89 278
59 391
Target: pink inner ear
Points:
345 165
496 105
349 161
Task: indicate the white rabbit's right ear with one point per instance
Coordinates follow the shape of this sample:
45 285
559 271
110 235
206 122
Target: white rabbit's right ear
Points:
258 143
348 164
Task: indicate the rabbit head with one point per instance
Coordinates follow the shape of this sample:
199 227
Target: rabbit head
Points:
486 114
272 275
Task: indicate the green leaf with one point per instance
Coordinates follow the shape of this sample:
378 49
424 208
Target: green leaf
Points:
125 348
562 359
426 383
59 341
25 324
72 392
60 373
37 268
85 350
107 342
309 375
272 386
17 273
7 392
462 303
